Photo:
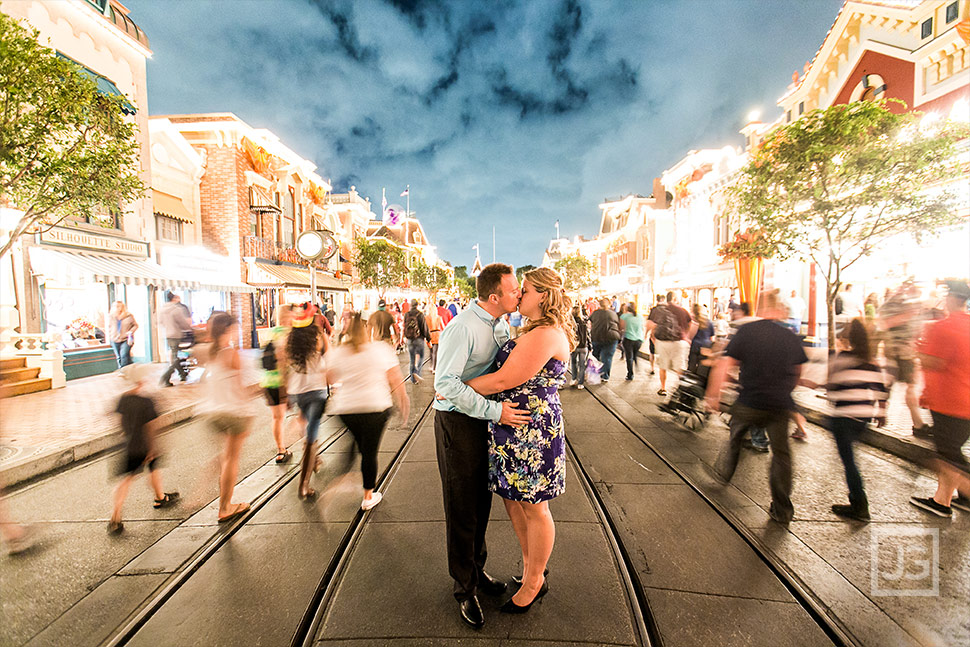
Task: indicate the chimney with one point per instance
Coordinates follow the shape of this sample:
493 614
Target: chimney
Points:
659 195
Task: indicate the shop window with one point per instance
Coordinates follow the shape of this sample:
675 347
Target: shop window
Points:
253 224
952 12
926 29
801 108
289 211
168 229
263 307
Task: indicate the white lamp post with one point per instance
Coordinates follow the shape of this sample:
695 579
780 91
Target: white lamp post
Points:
314 245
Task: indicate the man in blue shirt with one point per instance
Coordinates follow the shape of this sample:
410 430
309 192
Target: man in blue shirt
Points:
467 349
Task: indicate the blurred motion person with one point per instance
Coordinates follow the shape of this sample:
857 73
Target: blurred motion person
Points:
121 332
370 384
176 320
632 337
416 333
273 381
139 422
579 355
382 325
944 352
435 326
604 331
899 318
306 381
857 391
669 325
227 406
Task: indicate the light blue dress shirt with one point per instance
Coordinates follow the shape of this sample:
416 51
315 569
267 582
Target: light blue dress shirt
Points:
467 349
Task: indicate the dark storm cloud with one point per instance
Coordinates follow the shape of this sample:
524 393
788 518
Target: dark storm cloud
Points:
508 113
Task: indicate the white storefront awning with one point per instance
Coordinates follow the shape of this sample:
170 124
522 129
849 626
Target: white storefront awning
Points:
271 275
720 277
208 271
81 268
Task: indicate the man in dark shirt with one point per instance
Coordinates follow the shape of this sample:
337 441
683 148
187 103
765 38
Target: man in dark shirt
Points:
770 357
382 326
668 325
604 332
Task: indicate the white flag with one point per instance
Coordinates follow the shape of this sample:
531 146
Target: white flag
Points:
406 191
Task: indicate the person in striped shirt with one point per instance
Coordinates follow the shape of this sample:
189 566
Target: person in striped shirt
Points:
857 392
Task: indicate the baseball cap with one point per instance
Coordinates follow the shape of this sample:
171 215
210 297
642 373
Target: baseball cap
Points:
959 289
381 303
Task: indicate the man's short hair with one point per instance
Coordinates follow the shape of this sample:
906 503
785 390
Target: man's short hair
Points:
670 297
745 308
441 303
661 298
489 281
171 296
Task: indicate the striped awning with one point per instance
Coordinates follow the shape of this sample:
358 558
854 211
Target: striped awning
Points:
81 268
164 204
272 275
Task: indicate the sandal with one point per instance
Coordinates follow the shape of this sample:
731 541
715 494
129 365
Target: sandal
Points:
241 509
283 456
169 499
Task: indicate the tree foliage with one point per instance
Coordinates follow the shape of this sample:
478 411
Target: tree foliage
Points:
431 278
464 284
380 265
65 148
834 185
577 271
521 271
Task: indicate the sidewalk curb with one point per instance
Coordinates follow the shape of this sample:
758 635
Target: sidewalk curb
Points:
31 467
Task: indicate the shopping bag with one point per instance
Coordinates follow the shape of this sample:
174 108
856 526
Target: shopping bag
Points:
593 368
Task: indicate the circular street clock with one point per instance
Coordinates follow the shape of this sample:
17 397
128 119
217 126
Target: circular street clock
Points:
316 244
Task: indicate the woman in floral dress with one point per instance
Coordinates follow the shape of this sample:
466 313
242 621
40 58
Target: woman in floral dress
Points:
527 465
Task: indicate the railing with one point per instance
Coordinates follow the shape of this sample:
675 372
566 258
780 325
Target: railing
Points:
40 350
255 246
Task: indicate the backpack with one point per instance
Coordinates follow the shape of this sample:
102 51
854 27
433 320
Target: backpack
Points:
269 356
838 304
412 329
667 327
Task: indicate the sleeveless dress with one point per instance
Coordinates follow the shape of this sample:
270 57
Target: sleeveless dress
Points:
529 463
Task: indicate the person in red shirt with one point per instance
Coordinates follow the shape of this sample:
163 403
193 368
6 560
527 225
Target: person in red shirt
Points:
944 352
444 313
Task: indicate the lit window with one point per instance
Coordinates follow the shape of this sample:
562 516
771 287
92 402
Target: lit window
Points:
926 30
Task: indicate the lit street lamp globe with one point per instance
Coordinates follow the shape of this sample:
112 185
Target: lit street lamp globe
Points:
316 244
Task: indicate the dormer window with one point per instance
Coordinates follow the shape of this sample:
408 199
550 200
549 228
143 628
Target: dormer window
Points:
926 29
952 12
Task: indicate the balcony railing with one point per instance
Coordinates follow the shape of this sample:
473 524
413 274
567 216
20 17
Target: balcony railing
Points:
272 250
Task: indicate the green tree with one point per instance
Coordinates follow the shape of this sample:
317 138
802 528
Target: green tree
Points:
577 271
834 185
380 265
65 148
431 278
520 271
465 284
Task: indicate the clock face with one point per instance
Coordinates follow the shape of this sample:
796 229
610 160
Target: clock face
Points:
310 244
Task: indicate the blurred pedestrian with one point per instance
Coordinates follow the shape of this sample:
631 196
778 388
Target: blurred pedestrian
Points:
139 422
515 322
661 299
632 337
857 390
620 346
435 326
398 327
944 352
796 311
416 333
382 325
701 335
176 320
227 406
900 321
273 381
578 356
444 313
345 315
370 383
121 332
604 331
670 325
306 381
770 358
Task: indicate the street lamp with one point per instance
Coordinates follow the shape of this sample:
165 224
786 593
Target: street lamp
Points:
314 245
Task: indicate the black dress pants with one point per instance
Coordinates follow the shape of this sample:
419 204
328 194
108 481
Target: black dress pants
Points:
462 449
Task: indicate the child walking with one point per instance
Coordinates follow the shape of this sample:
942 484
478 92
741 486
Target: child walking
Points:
139 424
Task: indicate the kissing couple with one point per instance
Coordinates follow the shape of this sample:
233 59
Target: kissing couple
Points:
498 428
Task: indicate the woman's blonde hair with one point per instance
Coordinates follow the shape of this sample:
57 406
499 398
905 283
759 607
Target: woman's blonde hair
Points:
556 306
124 307
356 333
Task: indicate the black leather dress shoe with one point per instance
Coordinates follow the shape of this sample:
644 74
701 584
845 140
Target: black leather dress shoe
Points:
512 607
491 586
471 612
517 579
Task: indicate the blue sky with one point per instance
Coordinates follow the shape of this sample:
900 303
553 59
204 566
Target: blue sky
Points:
504 113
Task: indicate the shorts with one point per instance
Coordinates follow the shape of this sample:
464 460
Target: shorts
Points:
671 355
902 370
228 423
132 464
275 395
950 435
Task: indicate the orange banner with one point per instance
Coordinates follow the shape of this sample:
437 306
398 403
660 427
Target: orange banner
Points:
749 272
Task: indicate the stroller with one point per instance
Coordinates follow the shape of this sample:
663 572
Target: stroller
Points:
686 403
186 358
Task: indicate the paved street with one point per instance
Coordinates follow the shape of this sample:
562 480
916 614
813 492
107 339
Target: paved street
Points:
258 584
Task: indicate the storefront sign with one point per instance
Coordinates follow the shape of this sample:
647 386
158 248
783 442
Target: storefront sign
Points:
196 259
62 237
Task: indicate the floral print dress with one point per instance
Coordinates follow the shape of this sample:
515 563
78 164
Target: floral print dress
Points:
528 463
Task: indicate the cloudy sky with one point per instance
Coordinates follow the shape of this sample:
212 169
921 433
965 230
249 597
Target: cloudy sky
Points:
496 112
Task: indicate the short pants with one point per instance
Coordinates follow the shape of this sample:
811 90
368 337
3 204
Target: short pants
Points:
228 423
274 395
132 464
902 370
950 435
671 355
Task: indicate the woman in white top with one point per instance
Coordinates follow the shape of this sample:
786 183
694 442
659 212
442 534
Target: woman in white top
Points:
370 380
227 406
307 382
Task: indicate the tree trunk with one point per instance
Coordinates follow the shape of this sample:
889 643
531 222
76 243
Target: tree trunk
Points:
830 295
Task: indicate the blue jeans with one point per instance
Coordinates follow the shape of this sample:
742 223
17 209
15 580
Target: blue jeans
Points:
604 352
416 353
847 432
312 404
632 349
122 350
577 364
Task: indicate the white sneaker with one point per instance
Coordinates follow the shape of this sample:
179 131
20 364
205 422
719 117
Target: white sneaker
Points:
375 498
580 386
573 383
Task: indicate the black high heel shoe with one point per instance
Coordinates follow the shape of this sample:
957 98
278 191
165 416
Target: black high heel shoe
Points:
517 579
512 607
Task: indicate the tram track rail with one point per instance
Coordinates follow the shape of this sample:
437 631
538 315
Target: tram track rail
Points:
127 630
802 594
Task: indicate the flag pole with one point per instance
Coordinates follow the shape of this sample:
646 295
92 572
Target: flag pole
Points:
493 243
408 190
